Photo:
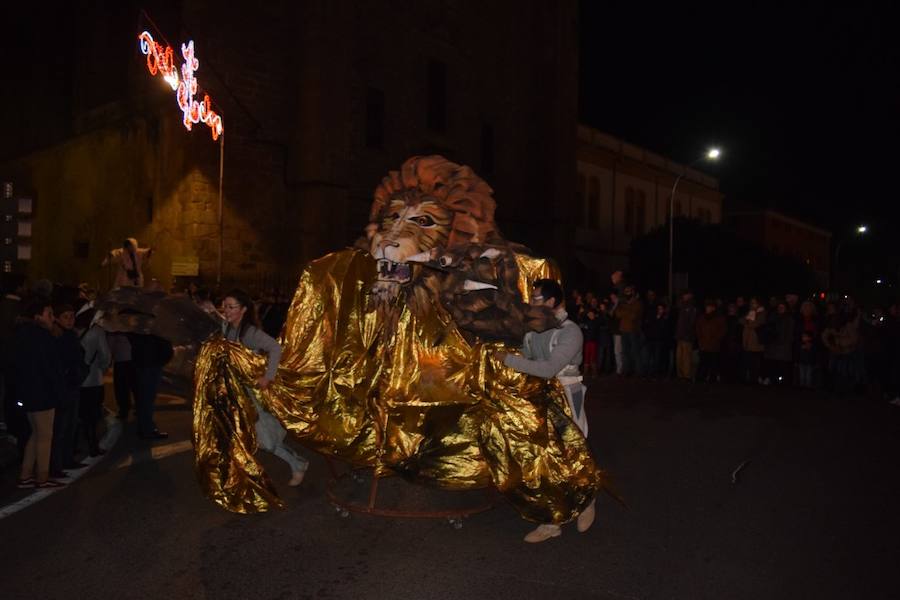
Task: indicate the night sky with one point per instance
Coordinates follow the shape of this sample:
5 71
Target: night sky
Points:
804 99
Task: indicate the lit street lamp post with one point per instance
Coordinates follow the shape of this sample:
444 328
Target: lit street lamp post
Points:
712 154
860 230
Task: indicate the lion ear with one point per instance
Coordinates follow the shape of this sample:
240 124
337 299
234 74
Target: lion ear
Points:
370 230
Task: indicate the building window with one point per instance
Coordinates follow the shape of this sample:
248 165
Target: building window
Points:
437 95
374 118
629 210
579 196
487 149
593 203
640 219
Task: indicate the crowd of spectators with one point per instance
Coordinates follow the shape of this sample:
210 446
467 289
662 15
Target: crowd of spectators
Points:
781 340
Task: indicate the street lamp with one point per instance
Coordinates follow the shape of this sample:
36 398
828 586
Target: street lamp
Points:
711 154
860 230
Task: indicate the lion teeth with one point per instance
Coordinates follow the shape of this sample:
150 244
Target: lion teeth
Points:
471 286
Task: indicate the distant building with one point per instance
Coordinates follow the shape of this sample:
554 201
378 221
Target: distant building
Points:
786 236
320 100
622 192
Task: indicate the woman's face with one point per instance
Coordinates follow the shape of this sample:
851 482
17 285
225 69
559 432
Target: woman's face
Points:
234 312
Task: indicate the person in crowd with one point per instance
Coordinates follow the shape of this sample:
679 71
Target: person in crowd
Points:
711 329
841 338
10 313
751 358
149 354
874 342
589 330
741 305
65 420
730 358
98 358
779 349
555 353
39 387
203 299
685 336
124 381
603 334
629 312
806 361
129 262
615 332
893 352
657 336
242 326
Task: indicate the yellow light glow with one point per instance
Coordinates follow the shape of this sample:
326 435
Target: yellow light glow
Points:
713 153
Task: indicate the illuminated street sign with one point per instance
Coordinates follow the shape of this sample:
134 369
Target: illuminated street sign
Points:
161 61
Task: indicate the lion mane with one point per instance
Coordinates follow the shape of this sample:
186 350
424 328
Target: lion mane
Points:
472 271
456 187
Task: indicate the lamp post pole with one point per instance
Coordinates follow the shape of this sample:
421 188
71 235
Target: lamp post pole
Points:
835 268
712 154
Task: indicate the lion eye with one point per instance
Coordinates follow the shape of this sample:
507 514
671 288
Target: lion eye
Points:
423 221
393 216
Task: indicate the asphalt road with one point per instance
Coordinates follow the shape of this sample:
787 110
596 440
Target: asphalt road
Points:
815 513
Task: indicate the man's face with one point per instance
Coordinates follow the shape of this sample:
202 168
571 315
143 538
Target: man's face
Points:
537 299
66 320
45 319
710 309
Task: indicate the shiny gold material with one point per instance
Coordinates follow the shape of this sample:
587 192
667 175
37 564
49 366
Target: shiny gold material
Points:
396 388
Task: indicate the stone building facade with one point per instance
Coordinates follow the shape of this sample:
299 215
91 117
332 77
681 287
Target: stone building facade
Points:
786 236
319 100
622 192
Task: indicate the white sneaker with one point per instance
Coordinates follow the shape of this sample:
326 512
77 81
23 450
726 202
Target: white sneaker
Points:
297 478
586 518
543 533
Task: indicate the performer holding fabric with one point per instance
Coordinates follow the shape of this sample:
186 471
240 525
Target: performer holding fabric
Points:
555 353
390 361
241 326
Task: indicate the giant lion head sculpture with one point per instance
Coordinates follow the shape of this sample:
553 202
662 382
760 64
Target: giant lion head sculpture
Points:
432 223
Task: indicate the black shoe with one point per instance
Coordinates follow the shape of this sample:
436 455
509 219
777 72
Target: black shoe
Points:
76 465
58 474
97 452
156 434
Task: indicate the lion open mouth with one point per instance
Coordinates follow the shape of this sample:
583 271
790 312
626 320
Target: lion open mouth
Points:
393 272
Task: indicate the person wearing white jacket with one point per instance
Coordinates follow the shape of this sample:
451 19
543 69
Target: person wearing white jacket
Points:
98 357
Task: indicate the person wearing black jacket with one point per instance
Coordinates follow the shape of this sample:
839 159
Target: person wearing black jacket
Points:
149 353
65 420
658 335
39 385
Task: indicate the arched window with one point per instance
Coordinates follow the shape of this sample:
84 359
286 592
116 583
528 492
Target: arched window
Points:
593 203
629 210
580 197
640 220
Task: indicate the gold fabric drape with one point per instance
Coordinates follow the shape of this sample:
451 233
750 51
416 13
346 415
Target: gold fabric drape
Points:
398 390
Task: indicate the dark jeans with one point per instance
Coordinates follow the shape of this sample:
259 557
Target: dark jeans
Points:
604 355
708 369
65 426
125 386
148 379
656 358
90 409
729 366
631 352
750 365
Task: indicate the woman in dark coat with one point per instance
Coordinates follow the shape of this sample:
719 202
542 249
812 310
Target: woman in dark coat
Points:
39 387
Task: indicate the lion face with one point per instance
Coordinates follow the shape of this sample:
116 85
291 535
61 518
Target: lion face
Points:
430 204
407 230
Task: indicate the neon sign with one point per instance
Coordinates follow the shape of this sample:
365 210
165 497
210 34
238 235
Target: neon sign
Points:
162 61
